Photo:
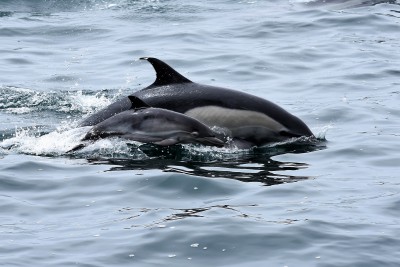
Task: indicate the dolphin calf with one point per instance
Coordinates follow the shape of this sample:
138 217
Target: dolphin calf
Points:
245 117
159 126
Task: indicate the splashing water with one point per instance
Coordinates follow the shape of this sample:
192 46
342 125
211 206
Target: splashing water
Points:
16 100
57 141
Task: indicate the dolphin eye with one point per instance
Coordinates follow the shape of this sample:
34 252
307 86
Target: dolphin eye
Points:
195 134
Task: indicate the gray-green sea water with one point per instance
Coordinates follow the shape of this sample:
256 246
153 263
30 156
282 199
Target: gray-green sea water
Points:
334 64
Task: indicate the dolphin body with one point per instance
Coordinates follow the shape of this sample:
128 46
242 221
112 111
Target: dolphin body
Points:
247 119
152 125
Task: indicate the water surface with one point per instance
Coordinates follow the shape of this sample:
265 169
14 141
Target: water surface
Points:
335 65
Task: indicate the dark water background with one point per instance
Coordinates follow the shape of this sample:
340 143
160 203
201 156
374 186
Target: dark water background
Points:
335 65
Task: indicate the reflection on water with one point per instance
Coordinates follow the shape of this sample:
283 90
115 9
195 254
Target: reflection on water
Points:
165 215
341 4
172 214
254 165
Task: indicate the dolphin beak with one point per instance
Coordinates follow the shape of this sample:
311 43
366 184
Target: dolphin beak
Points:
211 141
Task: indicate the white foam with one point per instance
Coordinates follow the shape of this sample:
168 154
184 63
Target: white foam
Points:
84 103
27 141
61 141
321 131
22 110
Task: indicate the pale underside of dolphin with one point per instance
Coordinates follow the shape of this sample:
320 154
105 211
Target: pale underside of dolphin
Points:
245 117
152 125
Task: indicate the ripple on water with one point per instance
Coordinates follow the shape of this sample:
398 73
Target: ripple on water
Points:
332 204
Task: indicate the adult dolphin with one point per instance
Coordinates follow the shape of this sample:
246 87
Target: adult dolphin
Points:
159 126
246 117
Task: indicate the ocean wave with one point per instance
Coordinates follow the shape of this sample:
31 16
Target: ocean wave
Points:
18 100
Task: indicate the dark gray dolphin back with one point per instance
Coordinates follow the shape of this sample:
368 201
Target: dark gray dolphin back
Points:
173 91
165 75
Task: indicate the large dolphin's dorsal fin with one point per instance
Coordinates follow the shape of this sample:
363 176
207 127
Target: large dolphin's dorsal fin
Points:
165 74
137 103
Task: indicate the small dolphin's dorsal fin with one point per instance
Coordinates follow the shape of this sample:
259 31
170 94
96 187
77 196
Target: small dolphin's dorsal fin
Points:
137 103
165 74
